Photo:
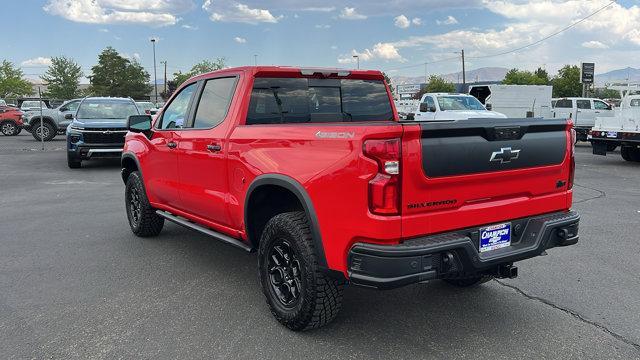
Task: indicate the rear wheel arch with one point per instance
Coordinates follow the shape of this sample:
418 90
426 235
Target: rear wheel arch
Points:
272 194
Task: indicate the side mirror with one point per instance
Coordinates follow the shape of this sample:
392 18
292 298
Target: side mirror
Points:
139 123
68 116
424 107
488 107
609 107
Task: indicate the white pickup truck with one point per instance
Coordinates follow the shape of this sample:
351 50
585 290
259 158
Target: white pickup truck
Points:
583 111
622 129
452 106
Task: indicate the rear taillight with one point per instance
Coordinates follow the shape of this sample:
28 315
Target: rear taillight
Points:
572 159
384 188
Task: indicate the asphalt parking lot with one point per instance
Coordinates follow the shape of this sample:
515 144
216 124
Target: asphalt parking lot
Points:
76 283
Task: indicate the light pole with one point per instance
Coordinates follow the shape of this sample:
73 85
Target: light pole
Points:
358 60
165 78
155 74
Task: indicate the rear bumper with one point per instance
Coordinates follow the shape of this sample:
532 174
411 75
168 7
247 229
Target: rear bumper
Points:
455 254
601 141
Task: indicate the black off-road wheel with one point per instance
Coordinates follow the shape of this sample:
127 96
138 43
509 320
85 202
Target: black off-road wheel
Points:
142 217
46 130
469 282
299 294
8 128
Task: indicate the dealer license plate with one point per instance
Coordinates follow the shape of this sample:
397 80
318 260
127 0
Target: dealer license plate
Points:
495 237
612 134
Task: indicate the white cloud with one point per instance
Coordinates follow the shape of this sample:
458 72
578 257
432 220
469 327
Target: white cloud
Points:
384 51
319 9
334 47
349 13
231 11
147 12
416 21
37 62
239 40
594 44
189 27
322 26
401 21
450 20
103 30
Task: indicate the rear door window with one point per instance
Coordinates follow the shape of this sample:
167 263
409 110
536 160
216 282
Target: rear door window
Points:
214 102
564 103
583 104
302 100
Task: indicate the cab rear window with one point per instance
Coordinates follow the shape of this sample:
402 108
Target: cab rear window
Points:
302 100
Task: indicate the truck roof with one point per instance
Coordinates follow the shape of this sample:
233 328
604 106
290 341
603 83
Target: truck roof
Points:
297 71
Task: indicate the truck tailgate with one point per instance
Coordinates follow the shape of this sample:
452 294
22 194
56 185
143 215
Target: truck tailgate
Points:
463 173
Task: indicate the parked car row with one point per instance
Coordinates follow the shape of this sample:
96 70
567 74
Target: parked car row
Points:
11 120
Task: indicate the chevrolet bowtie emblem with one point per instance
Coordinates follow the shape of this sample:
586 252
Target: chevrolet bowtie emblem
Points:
505 155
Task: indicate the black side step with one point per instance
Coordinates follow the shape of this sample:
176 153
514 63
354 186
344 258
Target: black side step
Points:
193 226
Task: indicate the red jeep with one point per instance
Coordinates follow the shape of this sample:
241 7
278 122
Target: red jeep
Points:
10 121
313 169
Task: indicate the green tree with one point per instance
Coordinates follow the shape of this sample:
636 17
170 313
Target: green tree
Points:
12 81
524 77
202 67
607 94
567 82
436 84
115 75
63 78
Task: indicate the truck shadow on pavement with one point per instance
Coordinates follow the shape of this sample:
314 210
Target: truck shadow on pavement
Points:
413 321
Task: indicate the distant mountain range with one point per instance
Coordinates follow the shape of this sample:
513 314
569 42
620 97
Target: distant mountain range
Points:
629 73
498 73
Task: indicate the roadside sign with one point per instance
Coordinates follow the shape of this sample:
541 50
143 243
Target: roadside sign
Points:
408 88
587 72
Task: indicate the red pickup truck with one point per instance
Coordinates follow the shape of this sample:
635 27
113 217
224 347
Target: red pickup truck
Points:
313 169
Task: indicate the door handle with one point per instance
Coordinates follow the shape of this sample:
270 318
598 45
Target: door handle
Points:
172 145
214 147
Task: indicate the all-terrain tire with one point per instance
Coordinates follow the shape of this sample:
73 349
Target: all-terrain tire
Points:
469 282
8 128
73 163
142 217
47 129
319 294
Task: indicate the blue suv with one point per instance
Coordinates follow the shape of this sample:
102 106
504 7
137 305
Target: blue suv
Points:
98 129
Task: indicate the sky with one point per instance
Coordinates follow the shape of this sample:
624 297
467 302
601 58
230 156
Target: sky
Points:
396 36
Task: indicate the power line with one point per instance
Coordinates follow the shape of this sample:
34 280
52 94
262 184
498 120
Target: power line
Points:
546 37
516 49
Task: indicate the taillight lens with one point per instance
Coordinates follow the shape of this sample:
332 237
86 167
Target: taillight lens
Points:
572 170
384 188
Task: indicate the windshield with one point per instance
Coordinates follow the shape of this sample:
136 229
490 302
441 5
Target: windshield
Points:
459 103
33 104
3 103
106 109
295 100
145 105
